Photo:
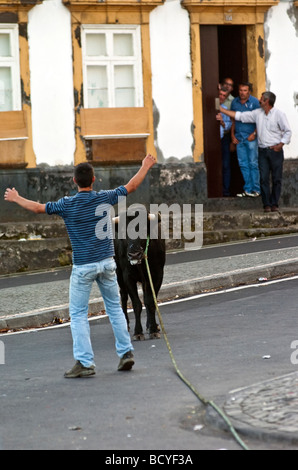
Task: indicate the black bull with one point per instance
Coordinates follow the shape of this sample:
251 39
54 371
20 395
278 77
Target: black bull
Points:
131 270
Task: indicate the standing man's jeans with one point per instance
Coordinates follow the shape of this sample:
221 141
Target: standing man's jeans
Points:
270 162
247 153
226 163
82 278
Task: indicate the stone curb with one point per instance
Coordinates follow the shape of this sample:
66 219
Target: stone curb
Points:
55 314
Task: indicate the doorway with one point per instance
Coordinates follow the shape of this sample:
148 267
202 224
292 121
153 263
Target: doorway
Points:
223 54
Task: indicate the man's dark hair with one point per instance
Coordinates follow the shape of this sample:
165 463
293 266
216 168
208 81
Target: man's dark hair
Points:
246 84
83 174
268 95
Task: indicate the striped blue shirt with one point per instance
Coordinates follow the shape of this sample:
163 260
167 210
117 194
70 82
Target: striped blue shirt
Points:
91 240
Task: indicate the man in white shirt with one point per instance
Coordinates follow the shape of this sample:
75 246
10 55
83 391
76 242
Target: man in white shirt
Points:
273 132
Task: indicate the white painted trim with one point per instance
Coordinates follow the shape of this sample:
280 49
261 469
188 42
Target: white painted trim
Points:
13 62
13 138
115 136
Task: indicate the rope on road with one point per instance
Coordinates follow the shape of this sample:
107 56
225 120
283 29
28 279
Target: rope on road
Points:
182 377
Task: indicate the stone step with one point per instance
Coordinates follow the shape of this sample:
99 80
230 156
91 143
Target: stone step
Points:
250 220
212 221
227 236
32 230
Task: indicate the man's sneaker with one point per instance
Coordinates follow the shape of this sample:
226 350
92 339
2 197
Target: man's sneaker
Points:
246 194
255 194
79 371
126 362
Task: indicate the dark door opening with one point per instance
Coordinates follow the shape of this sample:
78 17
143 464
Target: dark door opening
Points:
223 54
232 56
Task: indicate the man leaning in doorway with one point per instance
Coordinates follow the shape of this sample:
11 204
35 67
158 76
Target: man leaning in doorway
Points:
228 84
244 136
225 139
273 133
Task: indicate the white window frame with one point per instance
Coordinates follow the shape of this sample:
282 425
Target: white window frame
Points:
13 62
110 61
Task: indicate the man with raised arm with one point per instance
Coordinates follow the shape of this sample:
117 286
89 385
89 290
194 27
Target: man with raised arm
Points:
92 261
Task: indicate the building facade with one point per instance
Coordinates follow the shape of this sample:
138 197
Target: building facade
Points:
109 81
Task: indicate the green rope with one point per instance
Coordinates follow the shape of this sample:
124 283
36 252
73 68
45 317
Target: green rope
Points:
182 377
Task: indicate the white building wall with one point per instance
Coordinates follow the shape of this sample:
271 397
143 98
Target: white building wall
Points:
50 49
281 34
171 79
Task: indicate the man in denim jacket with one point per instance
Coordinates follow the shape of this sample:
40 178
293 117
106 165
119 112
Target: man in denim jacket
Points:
244 136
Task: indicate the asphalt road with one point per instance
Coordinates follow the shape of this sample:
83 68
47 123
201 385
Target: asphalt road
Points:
219 341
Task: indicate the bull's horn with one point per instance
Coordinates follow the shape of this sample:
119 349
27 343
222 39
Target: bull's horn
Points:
115 220
151 216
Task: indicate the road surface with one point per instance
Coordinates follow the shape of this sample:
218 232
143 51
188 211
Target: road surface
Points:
220 341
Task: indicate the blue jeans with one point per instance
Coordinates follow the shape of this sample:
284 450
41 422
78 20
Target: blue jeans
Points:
271 165
226 164
82 278
247 153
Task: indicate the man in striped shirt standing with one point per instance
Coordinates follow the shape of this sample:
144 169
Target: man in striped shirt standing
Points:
92 261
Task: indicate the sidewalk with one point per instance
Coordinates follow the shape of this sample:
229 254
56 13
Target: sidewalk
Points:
266 410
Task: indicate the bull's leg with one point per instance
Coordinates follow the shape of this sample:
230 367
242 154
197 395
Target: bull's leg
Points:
151 321
152 326
124 299
137 308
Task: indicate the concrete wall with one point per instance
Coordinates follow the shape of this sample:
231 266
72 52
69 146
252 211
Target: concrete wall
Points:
171 80
52 97
171 183
281 33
